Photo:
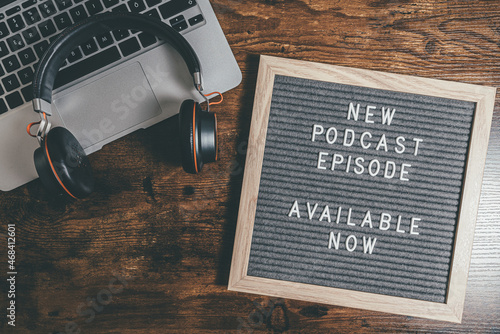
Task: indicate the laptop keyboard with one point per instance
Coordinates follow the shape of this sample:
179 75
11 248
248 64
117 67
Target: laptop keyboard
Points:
26 29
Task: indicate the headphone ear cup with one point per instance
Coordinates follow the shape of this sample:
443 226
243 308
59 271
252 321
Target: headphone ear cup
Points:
188 115
45 173
63 166
198 132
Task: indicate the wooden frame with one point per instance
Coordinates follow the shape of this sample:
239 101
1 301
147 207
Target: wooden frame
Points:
451 310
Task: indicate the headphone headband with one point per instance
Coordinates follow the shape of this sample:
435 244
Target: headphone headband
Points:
79 33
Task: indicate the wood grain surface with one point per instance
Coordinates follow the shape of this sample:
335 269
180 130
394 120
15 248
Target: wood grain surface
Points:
150 250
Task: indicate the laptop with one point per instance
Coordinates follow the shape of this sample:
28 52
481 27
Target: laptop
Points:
111 85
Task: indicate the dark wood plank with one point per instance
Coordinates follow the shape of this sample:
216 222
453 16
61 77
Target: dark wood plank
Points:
171 234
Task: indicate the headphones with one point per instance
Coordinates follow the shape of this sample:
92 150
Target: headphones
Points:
60 161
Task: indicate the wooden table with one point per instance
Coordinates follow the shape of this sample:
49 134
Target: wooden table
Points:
150 250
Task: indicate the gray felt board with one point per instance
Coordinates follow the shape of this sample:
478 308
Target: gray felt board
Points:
299 249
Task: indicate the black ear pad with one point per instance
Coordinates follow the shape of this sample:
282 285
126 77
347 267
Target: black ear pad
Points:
208 136
198 136
63 166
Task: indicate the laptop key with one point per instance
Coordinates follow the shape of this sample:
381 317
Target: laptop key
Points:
129 46
27 56
13 10
176 20
14 100
94 6
146 39
180 26
47 28
40 48
26 75
175 7
47 8
4 31
27 93
196 19
153 13
78 13
110 3
136 6
31 35
152 3
62 21
75 55
32 15
121 34
11 63
2 72
10 83
3 107
104 40
63 4
15 42
121 8
3 49
87 66
29 3
15 23
89 47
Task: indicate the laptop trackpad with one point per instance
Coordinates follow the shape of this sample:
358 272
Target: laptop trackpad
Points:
108 106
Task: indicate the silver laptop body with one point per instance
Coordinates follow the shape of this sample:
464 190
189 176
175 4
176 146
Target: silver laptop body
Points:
134 92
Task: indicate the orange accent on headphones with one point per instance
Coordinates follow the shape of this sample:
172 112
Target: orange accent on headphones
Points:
54 170
217 102
28 128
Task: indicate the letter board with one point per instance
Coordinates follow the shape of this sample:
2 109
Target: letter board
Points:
361 188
